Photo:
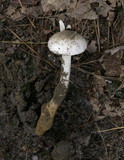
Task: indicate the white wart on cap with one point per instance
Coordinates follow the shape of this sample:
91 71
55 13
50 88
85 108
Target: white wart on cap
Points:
67 43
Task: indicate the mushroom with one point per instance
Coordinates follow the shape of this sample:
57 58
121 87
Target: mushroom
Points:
66 43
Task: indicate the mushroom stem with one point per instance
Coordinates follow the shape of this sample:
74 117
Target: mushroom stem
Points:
61 88
66 67
48 110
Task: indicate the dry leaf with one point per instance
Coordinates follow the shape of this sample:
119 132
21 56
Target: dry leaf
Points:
95 104
113 110
92 47
11 10
108 108
14 14
111 65
32 11
113 2
73 3
77 9
103 8
19 14
111 16
122 71
24 2
114 50
82 11
54 5
121 101
99 85
121 86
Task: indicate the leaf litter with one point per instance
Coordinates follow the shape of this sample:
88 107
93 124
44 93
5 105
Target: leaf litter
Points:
90 9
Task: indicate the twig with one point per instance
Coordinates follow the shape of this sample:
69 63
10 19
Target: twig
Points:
27 16
108 33
111 129
102 139
114 50
14 42
98 76
22 41
29 47
31 22
20 3
96 22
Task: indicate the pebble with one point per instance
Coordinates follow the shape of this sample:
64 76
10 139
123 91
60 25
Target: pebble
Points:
34 157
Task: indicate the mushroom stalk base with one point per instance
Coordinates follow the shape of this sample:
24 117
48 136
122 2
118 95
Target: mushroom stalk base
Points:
48 110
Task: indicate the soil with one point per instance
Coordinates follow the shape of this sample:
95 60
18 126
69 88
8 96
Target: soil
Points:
29 74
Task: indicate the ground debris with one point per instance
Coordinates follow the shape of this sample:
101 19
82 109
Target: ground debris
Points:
61 151
114 50
113 109
108 92
111 65
108 108
18 14
92 47
55 5
80 9
91 9
14 14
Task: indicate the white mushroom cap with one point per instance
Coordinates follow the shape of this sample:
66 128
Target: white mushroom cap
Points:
67 43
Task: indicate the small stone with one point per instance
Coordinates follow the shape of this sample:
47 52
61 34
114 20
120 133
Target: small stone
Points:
39 85
34 157
61 151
